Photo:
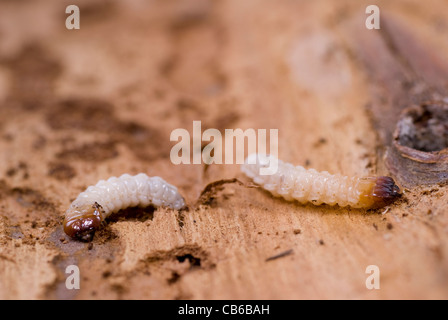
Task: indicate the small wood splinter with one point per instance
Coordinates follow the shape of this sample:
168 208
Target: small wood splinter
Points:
297 183
86 214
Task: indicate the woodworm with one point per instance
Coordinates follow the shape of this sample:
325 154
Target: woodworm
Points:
297 183
96 203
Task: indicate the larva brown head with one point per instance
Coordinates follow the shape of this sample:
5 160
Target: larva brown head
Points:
378 192
83 226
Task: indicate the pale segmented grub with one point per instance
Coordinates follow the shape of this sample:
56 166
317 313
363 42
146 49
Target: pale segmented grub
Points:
297 183
96 203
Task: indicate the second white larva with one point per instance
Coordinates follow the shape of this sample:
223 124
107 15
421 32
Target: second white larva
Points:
96 203
297 183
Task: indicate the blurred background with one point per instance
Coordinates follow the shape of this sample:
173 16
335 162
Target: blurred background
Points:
77 106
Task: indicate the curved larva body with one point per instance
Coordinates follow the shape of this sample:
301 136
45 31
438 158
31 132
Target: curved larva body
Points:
96 203
297 183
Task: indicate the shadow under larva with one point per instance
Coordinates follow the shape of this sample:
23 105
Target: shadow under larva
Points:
297 183
89 210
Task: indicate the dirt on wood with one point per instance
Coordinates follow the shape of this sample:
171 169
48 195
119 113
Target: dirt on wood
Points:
77 106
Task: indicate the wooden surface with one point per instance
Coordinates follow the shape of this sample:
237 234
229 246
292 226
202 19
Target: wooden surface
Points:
80 106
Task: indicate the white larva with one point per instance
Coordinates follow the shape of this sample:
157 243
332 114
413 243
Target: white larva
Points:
96 203
297 183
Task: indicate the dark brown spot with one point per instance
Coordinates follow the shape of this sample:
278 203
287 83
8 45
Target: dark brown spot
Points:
174 278
61 171
95 151
194 261
11 172
106 274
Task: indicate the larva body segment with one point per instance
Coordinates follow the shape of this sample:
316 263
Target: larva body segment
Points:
96 203
297 183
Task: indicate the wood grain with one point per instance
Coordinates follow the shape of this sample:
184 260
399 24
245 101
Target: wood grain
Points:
80 106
